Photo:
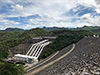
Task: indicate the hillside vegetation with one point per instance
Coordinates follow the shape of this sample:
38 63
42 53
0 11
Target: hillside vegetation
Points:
8 35
12 39
33 32
65 38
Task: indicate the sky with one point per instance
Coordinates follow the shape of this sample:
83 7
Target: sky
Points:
28 14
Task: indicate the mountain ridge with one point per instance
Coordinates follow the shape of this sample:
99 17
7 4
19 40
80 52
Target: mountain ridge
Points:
13 30
95 29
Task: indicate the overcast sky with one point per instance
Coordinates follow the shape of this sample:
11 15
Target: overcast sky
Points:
28 14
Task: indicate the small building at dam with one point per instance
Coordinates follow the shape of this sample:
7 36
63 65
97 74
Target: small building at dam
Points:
25 58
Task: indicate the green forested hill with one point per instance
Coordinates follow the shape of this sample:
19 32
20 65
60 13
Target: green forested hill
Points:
33 32
8 35
9 40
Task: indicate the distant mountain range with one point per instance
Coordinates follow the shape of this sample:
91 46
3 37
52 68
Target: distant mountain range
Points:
95 29
53 28
13 30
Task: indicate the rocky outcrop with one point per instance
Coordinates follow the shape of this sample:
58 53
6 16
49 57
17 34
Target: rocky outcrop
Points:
20 49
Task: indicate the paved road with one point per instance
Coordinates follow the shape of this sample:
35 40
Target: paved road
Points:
51 60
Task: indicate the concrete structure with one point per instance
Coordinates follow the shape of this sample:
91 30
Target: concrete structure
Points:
94 35
37 38
37 48
24 47
49 37
97 35
20 57
33 53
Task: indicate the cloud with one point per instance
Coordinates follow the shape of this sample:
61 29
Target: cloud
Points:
6 24
16 11
61 13
90 20
2 17
97 6
17 7
85 16
4 21
98 9
12 22
87 3
97 2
